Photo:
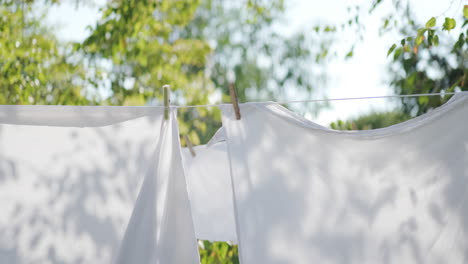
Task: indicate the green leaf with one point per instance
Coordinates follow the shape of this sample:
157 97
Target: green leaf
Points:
435 40
430 36
430 32
391 49
465 11
403 42
431 22
449 24
461 37
421 31
397 53
386 23
419 40
459 44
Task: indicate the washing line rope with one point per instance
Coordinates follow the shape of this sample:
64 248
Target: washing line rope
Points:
330 99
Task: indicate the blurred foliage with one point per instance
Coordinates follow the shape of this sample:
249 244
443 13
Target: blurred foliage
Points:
250 53
371 121
143 44
34 68
198 47
139 40
430 57
218 253
429 65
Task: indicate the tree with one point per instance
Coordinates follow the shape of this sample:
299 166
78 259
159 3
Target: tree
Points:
422 65
34 67
429 57
198 47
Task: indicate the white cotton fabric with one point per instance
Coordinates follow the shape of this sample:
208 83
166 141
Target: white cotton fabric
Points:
308 195
210 192
69 179
161 229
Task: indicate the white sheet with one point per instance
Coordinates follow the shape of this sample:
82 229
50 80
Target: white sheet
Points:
308 195
69 178
210 192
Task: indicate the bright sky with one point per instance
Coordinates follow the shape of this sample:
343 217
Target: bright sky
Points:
364 75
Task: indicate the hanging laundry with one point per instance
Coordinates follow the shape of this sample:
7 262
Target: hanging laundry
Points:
161 228
69 179
210 192
210 189
308 195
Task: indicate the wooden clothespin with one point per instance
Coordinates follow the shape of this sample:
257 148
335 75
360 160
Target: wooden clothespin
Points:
190 146
167 100
234 101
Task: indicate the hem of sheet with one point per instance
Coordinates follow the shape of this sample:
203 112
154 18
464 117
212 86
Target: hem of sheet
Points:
392 130
73 116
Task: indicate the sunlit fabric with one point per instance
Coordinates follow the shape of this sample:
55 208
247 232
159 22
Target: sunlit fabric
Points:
308 195
210 192
69 180
161 230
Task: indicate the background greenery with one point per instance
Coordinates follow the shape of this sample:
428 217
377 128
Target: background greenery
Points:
200 47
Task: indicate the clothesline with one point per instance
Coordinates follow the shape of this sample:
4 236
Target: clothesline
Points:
330 99
270 182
